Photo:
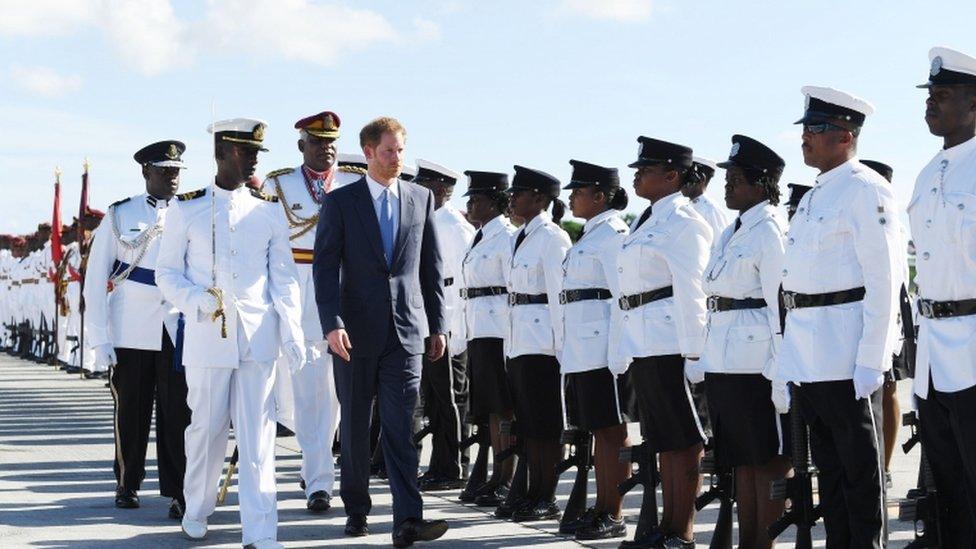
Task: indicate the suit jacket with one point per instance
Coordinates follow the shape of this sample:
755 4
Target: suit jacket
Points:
354 288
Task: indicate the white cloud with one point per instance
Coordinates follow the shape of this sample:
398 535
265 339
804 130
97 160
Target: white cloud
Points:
44 81
426 29
44 17
615 10
146 34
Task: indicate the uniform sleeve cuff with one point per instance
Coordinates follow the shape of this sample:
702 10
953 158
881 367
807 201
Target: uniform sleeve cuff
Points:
873 356
691 346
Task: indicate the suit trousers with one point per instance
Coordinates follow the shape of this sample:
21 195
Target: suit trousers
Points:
246 396
316 419
846 445
393 378
139 380
437 385
949 437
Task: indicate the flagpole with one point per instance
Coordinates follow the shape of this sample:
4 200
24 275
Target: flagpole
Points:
82 267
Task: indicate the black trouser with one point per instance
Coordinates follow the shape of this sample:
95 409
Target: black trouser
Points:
437 384
949 437
847 446
459 369
139 380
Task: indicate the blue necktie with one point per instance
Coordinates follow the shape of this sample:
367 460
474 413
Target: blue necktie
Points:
386 227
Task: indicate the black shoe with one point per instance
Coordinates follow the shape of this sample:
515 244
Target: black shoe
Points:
283 431
301 483
413 529
319 502
176 509
654 538
378 470
471 492
604 527
675 542
356 526
491 496
542 510
433 483
572 526
126 499
507 508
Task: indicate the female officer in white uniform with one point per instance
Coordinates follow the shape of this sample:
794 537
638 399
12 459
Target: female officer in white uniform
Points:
742 334
662 308
536 335
596 400
485 290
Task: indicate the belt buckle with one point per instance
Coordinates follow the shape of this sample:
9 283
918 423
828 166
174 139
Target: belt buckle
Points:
712 303
511 300
624 303
562 297
789 301
925 308
464 293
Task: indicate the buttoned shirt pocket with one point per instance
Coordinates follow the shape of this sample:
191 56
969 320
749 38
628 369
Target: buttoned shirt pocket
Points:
828 232
660 330
747 348
962 209
532 328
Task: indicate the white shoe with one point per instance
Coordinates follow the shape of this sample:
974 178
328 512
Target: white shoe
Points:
194 529
266 543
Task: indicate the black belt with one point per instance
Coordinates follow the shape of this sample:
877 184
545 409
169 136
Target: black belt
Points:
528 299
583 294
471 293
449 281
946 309
629 302
794 300
717 303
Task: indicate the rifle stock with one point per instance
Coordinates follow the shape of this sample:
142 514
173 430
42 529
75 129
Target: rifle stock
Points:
646 476
581 457
799 489
921 505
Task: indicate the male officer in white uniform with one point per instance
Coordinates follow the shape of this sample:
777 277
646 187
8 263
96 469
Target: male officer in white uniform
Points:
942 213
130 325
226 263
844 267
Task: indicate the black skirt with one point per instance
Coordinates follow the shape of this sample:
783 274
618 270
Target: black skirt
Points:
668 418
597 399
747 430
535 383
488 383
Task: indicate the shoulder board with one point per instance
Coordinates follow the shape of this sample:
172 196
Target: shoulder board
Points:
263 196
353 169
276 173
191 195
117 202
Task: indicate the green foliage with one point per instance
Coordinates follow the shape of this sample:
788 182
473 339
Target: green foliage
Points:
574 228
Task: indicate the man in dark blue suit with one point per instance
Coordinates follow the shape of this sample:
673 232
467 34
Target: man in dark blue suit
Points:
379 290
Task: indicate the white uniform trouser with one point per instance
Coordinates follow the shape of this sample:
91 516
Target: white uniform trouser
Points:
316 418
246 395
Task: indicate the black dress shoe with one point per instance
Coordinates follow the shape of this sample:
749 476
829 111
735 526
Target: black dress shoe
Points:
126 499
651 539
319 502
572 526
301 483
507 507
603 527
491 496
414 529
675 542
176 509
433 483
541 510
470 492
356 526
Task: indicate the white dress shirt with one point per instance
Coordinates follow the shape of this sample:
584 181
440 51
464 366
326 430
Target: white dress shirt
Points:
845 234
942 213
454 236
745 263
487 264
376 192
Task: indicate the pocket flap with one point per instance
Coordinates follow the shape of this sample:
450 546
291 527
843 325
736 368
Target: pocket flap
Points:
750 333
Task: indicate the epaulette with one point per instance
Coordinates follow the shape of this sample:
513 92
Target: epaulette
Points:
276 173
263 195
353 169
191 195
117 202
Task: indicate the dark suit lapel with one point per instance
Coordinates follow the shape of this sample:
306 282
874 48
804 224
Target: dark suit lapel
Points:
406 218
367 216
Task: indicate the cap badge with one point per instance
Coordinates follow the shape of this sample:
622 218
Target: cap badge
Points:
172 153
259 132
735 149
640 149
329 122
936 65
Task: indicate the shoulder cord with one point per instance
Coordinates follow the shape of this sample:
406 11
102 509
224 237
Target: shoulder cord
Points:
295 221
140 244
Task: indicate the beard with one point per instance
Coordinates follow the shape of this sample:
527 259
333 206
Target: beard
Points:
387 171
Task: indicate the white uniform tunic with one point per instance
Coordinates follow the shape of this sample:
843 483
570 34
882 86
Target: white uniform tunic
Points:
669 249
454 236
718 218
487 264
845 235
131 314
745 263
942 213
591 263
536 268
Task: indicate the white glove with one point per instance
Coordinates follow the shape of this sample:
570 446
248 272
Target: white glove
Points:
618 368
866 381
295 354
207 306
693 371
105 355
781 397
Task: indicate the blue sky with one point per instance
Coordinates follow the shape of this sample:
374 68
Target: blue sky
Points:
479 85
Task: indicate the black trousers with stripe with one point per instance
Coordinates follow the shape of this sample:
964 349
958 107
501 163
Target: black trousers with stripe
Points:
846 444
143 380
437 386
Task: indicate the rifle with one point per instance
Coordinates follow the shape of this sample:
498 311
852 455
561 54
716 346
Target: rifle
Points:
647 476
418 437
517 491
921 505
722 488
799 489
225 484
479 470
581 457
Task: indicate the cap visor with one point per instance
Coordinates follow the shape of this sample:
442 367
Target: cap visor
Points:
925 85
169 164
727 164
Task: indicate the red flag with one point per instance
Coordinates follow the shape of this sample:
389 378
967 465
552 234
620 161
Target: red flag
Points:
56 252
